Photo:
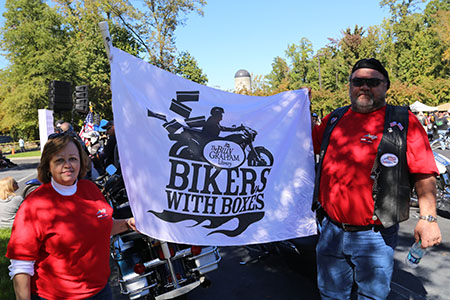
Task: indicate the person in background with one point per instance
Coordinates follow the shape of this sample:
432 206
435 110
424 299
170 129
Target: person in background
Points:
432 126
363 195
59 245
94 148
66 127
22 145
110 156
9 201
441 123
315 119
58 126
423 120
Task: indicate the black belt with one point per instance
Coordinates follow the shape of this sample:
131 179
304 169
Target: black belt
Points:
354 228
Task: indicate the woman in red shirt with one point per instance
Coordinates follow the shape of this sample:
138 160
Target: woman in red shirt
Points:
59 245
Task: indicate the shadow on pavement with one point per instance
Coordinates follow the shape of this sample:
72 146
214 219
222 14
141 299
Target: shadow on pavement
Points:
430 279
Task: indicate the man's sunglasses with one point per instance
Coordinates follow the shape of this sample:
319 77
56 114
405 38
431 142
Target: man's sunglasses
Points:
370 82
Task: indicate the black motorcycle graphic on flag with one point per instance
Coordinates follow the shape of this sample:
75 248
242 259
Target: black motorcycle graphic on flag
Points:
234 172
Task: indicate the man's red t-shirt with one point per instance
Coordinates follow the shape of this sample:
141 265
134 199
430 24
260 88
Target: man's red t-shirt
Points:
345 183
68 237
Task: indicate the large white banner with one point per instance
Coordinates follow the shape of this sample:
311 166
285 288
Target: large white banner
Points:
207 167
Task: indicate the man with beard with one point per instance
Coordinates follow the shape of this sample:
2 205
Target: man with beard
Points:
368 153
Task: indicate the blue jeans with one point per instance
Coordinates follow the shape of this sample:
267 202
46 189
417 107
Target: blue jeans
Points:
365 258
104 294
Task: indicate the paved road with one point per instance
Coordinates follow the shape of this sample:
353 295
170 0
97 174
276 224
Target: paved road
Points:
25 171
431 279
282 277
286 278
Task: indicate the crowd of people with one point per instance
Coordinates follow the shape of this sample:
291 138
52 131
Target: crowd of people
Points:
55 255
434 123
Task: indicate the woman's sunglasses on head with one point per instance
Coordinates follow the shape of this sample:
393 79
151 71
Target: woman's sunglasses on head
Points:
61 134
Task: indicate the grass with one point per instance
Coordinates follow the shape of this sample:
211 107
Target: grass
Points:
25 154
6 287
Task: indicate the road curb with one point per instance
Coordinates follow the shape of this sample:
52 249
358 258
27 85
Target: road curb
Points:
25 158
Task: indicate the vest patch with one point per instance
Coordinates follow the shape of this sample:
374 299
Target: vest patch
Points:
389 160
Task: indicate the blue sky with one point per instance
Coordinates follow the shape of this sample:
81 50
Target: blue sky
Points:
249 34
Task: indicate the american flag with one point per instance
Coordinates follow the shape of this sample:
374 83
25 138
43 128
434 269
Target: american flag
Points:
88 126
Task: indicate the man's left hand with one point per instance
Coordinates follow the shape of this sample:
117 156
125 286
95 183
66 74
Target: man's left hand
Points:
428 232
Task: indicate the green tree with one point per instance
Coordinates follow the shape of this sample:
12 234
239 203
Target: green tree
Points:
278 79
260 86
300 57
87 49
325 101
35 42
154 27
186 66
442 28
413 44
63 42
333 68
437 15
350 44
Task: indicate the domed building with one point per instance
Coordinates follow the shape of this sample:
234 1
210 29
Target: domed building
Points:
242 80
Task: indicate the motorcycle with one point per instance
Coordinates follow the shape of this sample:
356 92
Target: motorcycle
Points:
190 143
6 163
147 267
442 186
30 186
442 142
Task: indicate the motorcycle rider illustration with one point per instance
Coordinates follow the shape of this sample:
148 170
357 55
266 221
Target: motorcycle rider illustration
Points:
191 140
212 128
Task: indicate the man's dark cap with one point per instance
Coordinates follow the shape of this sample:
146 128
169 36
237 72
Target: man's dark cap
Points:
107 125
372 63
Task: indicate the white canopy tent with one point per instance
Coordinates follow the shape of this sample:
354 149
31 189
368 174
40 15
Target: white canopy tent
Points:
418 106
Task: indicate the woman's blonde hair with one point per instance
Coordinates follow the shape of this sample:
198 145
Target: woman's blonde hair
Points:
7 187
53 146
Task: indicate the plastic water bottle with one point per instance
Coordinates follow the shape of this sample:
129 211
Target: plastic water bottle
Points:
415 254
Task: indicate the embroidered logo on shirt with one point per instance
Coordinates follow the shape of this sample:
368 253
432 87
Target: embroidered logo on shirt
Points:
389 160
101 213
333 120
368 138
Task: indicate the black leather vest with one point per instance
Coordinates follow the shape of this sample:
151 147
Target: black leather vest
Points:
392 186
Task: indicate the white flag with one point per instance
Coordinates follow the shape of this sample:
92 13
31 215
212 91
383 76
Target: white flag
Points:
207 167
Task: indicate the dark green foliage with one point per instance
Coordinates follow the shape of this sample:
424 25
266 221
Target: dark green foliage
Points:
63 42
413 45
186 66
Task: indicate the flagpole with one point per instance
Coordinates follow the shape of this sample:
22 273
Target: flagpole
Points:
107 41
